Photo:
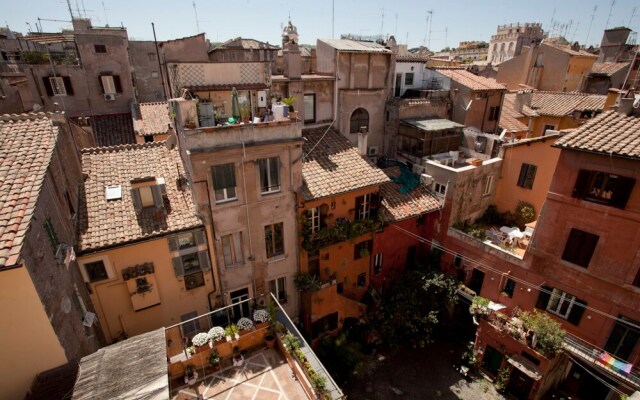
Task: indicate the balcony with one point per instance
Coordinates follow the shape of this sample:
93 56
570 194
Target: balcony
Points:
590 355
245 366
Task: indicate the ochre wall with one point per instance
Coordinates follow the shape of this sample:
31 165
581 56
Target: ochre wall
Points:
28 344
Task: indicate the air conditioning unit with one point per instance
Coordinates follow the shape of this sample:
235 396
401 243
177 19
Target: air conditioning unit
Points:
426 179
373 151
193 281
374 160
89 319
109 96
417 169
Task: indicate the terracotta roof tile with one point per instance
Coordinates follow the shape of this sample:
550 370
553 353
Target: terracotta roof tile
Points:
105 223
567 49
26 145
509 116
245 44
470 80
397 206
559 104
334 166
151 118
112 130
610 133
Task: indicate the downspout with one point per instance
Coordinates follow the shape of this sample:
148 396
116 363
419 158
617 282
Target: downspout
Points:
295 224
155 41
246 209
335 91
484 114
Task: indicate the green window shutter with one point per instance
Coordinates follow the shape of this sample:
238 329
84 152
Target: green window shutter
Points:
177 266
203 258
200 237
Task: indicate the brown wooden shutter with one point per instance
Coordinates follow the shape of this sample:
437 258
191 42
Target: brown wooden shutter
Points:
178 268
137 200
117 84
158 200
622 191
173 243
47 85
580 190
101 84
200 237
203 258
67 85
575 315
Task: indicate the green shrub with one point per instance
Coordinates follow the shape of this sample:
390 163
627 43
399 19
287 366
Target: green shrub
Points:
549 333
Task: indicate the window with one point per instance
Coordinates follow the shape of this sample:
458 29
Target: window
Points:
603 188
440 188
96 271
509 287
362 249
494 113
363 206
408 79
527 176
486 187
269 174
152 57
232 249
190 255
147 193
377 264
362 279
278 287
51 233
274 242
562 304
481 144
580 247
58 86
313 215
309 108
224 182
623 338
546 128
110 84
100 48
359 118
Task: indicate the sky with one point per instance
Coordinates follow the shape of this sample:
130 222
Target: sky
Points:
410 21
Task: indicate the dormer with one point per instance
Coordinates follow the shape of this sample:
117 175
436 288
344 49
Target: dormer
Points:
148 193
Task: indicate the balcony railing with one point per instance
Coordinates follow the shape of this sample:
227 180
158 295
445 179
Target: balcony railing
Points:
590 354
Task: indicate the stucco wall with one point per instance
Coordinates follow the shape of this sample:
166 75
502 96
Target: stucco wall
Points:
113 300
146 71
540 154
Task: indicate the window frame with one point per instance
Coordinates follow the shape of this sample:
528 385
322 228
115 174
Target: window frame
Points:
587 188
363 207
487 184
494 113
100 46
224 194
526 178
267 172
409 77
360 246
357 119
440 188
273 246
232 249
377 263
199 250
110 82
280 285
313 215
575 307
85 274
361 280
509 287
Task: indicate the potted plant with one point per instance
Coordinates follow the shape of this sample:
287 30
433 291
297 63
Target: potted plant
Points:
215 334
289 101
270 337
190 375
245 112
200 340
214 360
191 350
238 358
261 318
232 332
244 324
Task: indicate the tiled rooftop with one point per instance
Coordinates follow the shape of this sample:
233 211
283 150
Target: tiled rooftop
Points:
244 44
509 116
348 45
334 166
607 69
397 206
151 118
559 104
470 80
610 133
112 130
26 146
569 50
105 223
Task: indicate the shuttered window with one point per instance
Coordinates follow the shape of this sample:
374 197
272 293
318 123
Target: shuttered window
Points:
562 304
274 241
232 249
580 247
148 197
58 85
110 84
527 176
224 182
603 188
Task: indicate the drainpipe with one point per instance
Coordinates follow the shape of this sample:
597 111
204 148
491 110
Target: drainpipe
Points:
335 91
484 114
246 209
155 41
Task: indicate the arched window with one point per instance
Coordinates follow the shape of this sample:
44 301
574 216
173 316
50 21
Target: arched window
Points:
359 118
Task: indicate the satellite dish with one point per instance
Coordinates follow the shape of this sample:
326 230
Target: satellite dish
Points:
171 142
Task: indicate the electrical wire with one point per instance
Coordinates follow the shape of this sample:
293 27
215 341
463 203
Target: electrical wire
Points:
600 379
320 140
519 280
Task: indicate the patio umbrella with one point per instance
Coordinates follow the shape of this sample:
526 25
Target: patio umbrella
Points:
235 105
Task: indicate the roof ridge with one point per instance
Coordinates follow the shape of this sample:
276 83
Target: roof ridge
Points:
27 116
155 103
122 147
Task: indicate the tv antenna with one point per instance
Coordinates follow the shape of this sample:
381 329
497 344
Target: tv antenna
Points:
430 12
613 3
195 11
595 8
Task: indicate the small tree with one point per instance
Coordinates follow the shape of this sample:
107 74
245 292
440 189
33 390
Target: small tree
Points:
549 333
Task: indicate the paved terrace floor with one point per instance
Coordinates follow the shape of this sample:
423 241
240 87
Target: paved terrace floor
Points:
265 375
